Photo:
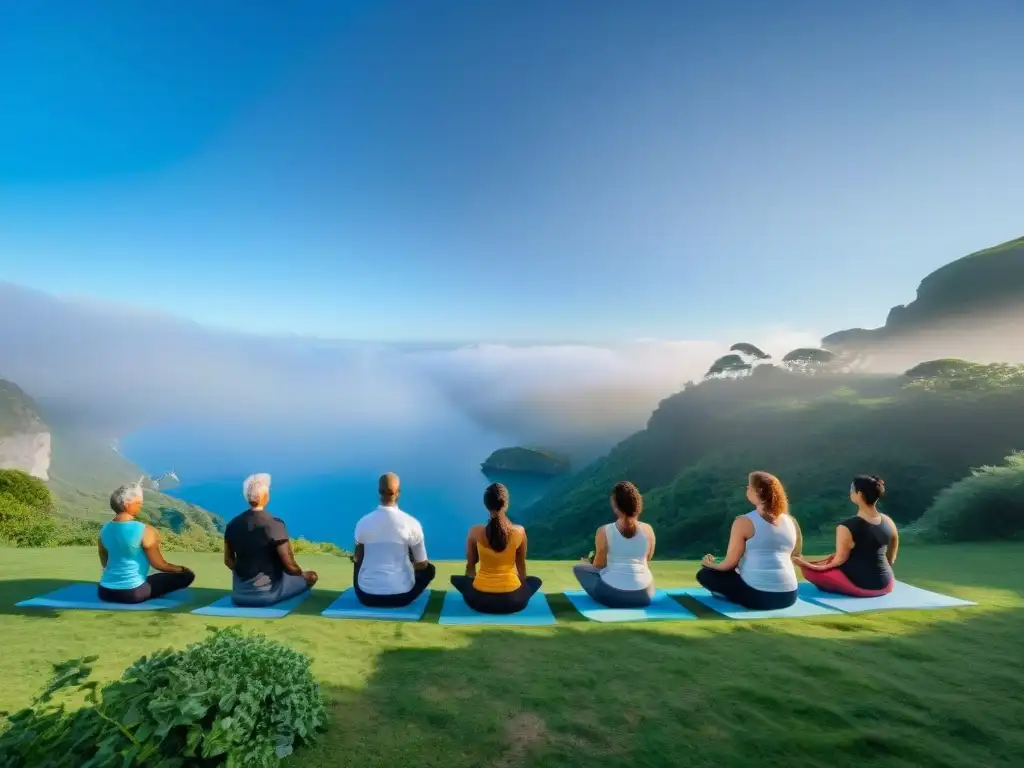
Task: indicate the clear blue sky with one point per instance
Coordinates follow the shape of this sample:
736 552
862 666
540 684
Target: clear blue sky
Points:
463 170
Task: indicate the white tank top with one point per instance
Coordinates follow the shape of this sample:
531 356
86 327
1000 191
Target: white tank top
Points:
627 560
767 563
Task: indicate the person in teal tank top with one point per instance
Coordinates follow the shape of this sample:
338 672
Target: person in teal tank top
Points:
128 550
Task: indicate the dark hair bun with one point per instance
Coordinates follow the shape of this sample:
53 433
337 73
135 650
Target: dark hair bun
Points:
881 485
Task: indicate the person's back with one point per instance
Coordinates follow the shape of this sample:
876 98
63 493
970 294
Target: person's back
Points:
253 537
127 563
627 567
387 536
767 563
868 566
498 572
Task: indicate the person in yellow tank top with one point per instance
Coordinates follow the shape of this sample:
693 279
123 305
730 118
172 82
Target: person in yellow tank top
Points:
496 579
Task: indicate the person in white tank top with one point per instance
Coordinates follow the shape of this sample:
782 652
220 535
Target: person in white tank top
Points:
757 571
619 575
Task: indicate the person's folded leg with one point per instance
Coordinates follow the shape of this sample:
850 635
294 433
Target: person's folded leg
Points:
589 577
837 582
496 602
164 583
139 594
731 586
423 578
292 586
623 598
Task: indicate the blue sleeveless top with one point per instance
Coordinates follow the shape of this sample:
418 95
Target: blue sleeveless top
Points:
127 564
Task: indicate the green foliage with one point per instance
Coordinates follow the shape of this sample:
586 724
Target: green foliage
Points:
27 489
18 413
988 504
814 432
232 699
728 364
23 525
962 376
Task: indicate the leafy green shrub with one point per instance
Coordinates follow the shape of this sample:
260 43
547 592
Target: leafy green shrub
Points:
233 699
988 504
24 526
29 490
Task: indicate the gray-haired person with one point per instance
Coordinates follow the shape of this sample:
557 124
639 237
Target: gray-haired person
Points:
259 553
128 549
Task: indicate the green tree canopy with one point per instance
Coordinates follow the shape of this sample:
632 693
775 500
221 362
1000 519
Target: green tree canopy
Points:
728 364
750 351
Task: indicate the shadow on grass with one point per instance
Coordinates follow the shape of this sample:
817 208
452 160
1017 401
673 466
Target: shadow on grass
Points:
847 691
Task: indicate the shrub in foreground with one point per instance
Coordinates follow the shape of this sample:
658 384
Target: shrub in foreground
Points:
27 489
24 526
232 699
986 505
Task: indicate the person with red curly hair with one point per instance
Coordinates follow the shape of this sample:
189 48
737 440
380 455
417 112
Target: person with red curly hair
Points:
758 571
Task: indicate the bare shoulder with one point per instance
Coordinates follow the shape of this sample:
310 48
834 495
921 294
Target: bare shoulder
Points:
648 528
519 529
888 520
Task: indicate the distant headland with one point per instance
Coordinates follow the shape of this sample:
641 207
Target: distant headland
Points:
526 461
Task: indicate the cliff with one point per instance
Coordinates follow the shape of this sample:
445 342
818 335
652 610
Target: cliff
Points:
24 437
530 461
958 308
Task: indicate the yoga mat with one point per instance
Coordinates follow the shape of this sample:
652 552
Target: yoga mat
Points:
662 608
83 597
224 607
801 609
347 606
902 597
536 613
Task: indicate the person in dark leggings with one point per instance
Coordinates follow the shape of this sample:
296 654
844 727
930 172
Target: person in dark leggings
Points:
619 576
128 549
757 572
391 566
866 546
258 551
499 548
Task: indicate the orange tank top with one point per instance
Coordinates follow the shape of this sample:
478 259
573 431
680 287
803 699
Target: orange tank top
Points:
497 571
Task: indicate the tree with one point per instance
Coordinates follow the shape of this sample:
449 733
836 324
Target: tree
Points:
728 367
808 359
749 350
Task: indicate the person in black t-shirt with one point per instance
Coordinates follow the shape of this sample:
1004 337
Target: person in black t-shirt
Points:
258 552
866 546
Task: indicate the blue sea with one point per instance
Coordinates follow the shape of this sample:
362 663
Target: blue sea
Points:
323 483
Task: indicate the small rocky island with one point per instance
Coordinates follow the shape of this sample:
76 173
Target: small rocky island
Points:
526 461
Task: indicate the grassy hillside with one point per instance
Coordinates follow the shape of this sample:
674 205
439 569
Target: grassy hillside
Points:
893 690
920 433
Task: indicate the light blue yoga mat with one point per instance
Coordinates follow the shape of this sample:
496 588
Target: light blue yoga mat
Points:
799 610
224 607
902 597
347 606
536 613
83 597
662 608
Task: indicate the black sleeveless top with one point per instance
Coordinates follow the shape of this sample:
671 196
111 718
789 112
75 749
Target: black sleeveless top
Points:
868 567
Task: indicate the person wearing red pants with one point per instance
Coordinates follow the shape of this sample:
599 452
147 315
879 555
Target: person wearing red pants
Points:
866 546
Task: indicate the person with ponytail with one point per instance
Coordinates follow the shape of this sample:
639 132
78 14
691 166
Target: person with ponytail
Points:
619 575
758 571
866 546
499 549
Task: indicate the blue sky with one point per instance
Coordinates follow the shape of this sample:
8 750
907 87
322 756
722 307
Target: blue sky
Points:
545 171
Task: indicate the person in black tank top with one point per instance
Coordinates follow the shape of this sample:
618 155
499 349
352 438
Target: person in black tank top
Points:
866 546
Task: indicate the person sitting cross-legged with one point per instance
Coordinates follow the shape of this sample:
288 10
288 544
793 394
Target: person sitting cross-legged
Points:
391 566
758 571
499 548
128 549
259 554
619 576
866 546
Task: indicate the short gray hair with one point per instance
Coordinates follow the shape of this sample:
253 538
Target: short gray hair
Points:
254 486
124 495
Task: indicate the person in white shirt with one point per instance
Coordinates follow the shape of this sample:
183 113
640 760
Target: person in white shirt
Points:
391 566
619 575
758 571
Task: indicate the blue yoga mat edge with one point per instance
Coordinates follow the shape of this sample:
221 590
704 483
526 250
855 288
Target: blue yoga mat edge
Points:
224 608
455 612
346 606
662 608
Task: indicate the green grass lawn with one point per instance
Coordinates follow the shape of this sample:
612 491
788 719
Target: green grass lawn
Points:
913 688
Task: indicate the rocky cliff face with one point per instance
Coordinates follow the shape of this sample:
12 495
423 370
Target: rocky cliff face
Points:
27 451
24 438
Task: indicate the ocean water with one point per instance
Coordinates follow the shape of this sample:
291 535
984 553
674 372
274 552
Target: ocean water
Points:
322 483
